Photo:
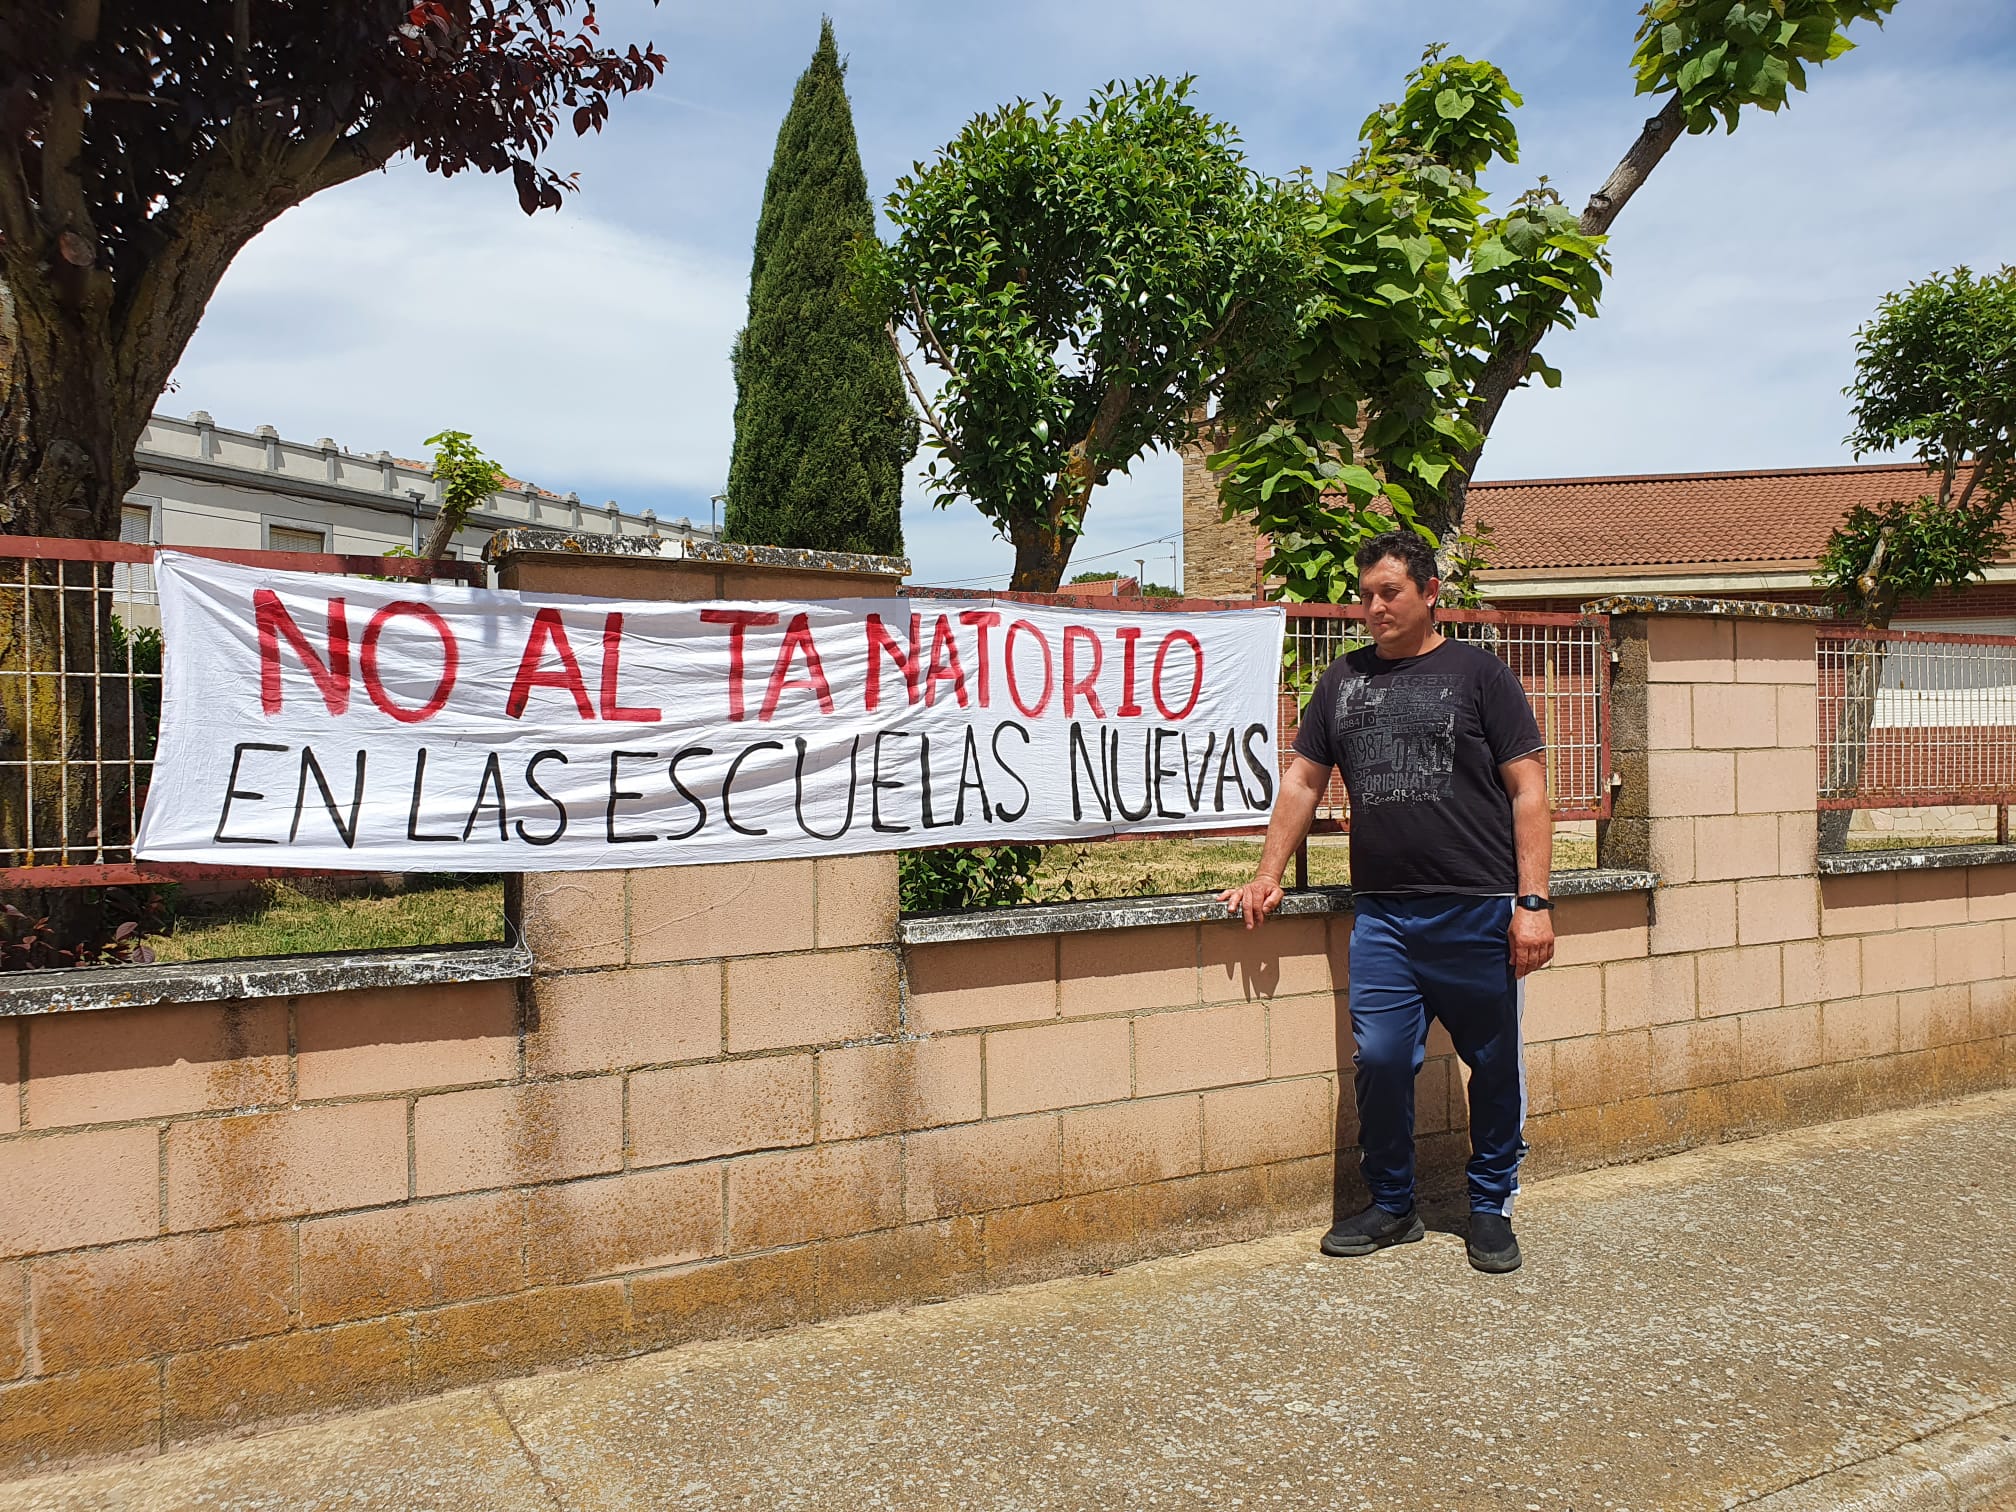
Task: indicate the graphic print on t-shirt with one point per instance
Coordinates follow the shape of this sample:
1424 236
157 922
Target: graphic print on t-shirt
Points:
1397 738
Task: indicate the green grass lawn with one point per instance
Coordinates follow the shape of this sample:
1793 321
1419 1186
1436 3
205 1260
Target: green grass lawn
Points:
281 919
286 919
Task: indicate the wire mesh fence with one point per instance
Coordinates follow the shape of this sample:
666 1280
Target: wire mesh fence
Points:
80 701
1912 719
1561 660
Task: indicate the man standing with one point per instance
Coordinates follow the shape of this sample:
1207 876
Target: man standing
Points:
1451 845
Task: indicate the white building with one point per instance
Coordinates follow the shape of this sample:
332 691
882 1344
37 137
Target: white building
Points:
203 484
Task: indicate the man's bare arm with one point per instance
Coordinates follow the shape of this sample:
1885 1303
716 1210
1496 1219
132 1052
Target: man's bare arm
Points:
1301 790
1532 933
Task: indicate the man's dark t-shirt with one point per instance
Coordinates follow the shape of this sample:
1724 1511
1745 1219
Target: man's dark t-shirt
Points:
1419 742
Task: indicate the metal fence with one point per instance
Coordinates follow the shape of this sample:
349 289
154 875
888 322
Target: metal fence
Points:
1914 718
1562 661
80 701
80 695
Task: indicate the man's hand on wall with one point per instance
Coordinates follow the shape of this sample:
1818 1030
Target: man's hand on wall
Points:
1259 898
1532 935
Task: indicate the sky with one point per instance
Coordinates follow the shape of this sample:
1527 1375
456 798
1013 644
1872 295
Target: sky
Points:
588 349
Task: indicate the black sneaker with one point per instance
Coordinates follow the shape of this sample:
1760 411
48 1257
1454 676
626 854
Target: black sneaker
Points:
1373 1229
1493 1248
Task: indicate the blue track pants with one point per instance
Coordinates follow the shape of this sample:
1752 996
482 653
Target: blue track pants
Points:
1444 957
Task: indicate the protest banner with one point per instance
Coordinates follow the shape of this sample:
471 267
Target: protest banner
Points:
352 724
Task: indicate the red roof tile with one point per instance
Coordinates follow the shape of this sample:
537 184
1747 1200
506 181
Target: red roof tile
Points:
1680 519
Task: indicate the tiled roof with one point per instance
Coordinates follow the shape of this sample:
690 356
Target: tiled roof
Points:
1782 516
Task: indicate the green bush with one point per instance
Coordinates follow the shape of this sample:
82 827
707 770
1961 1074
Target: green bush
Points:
979 876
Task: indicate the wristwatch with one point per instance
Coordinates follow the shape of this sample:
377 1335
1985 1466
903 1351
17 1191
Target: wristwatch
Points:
1534 903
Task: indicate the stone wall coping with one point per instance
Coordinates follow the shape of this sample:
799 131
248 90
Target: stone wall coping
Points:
1189 908
1925 858
544 541
89 987
1708 608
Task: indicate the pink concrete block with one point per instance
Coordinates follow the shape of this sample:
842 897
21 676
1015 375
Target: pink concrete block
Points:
1283 958
690 913
401 1039
1730 846
94 1186
1613 927
1781 780
865 1090
1858 1028
1777 908
1267 1122
1128 971
1654 990
1739 981
1776 651
1308 1035
1731 716
151 1062
1200 1047
511 1136
285 1164
611 1020
1701 916
1681 783
1689 650
1778 1040
721 1108
1057 1066
1130 1144
980 983
973 1168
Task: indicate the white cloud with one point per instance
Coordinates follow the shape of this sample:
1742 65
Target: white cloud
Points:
573 349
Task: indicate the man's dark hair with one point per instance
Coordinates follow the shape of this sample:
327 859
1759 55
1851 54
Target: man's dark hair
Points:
1404 546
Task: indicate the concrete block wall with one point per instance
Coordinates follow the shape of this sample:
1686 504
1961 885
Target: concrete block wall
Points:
727 1099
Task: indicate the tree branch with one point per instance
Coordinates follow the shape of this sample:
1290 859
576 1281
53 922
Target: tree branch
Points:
945 441
63 137
943 359
1507 364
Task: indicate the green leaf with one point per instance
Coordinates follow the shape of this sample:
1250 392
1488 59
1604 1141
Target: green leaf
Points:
1451 105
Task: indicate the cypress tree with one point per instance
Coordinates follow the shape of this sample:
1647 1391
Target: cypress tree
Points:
822 426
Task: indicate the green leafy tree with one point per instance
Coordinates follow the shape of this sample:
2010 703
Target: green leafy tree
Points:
1935 371
1084 287
1432 309
823 430
467 478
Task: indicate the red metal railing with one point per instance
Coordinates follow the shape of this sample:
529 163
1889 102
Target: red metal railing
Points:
1915 718
80 700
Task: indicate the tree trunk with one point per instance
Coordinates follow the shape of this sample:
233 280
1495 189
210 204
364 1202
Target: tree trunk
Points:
1506 367
441 536
1043 545
1042 552
1848 752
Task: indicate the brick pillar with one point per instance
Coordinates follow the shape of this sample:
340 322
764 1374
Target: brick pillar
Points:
1218 554
1713 732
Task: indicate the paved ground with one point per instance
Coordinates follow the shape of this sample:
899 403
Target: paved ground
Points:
1702 1331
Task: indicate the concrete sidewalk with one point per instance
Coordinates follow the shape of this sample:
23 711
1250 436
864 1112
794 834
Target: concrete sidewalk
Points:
1816 1320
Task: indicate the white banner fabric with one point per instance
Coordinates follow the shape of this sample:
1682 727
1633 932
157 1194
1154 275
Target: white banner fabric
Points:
351 724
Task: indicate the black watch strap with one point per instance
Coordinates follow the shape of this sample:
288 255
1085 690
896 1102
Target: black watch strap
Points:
1534 902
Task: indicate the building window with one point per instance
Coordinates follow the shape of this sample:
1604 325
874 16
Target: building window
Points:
133 582
295 538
